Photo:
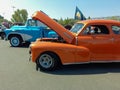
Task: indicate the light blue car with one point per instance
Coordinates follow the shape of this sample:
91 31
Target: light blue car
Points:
33 29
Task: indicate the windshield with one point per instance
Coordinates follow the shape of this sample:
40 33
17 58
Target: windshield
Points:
77 28
32 22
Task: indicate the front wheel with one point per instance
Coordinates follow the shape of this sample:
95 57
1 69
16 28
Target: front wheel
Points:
15 41
47 61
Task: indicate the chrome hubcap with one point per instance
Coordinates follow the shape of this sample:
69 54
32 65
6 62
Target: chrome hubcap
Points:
15 41
45 61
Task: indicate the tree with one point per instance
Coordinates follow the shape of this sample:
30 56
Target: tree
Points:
19 16
4 22
89 17
114 18
67 21
1 19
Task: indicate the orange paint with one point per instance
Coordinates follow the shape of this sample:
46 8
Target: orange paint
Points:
80 47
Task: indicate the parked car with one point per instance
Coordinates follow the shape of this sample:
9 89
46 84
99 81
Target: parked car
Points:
88 41
2 34
33 29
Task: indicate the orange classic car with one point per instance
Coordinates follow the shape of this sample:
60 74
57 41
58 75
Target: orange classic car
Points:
87 41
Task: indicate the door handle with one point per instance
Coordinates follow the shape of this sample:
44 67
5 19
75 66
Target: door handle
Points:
112 39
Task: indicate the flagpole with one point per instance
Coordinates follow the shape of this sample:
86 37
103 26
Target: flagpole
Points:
77 2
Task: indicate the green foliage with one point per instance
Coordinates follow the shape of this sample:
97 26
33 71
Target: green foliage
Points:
1 19
67 21
114 18
89 17
70 21
19 16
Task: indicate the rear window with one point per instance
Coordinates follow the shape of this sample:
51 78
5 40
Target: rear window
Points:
116 29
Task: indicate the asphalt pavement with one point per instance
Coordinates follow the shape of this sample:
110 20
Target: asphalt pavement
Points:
17 73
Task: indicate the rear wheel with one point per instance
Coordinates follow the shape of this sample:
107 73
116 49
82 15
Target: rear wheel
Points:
15 41
47 61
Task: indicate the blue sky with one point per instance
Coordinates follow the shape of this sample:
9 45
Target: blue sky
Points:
62 8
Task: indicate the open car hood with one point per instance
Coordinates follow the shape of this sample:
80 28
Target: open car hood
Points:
59 29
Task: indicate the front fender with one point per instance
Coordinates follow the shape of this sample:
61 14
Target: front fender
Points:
25 37
67 53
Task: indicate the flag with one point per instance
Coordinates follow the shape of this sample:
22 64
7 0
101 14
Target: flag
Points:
79 15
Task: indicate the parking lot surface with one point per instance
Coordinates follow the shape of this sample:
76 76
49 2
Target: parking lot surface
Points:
17 73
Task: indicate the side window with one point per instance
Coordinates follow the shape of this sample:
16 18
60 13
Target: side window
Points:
40 24
31 22
96 29
116 29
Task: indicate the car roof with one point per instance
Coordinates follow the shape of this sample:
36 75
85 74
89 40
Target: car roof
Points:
99 21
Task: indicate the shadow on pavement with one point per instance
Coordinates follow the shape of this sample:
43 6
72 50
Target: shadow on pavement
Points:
85 69
25 45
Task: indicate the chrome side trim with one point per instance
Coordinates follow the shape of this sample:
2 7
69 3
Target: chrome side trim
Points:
111 61
76 40
67 35
76 63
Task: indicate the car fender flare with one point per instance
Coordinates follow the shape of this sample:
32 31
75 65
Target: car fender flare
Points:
71 53
25 37
79 55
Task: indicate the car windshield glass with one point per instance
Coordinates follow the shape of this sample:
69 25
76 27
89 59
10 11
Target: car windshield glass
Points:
32 22
77 28
41 24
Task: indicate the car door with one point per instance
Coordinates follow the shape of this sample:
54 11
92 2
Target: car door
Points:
116 32
33 30
100 44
